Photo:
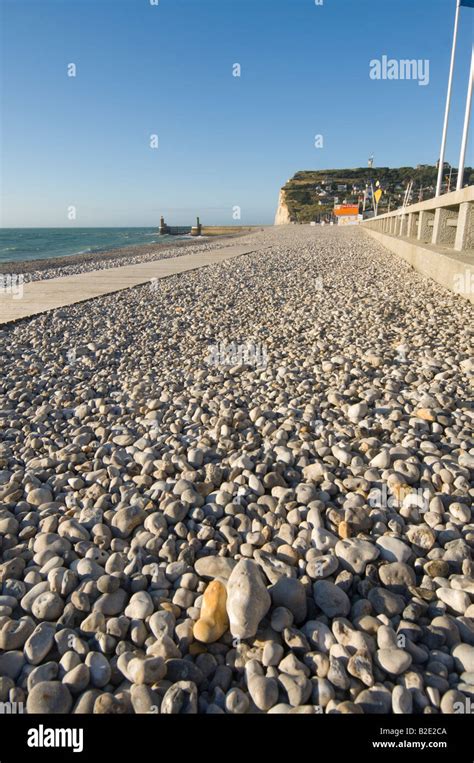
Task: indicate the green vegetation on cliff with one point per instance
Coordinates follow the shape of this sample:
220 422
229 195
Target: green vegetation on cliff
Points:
311 193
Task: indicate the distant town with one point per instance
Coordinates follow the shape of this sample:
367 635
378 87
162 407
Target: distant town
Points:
314 195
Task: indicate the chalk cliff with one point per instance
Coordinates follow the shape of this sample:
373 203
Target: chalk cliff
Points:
282 216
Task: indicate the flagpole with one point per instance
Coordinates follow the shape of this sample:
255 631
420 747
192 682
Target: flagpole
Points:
374 203
448 103
467 117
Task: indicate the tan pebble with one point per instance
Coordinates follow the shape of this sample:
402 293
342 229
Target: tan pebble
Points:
425 414
344 529
213 622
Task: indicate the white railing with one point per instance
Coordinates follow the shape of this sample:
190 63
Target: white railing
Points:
445 221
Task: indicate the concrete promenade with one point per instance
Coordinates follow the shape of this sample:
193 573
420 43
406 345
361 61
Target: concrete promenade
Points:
40 296
436 237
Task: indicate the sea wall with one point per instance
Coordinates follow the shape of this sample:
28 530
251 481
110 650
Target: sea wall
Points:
435 236
224 230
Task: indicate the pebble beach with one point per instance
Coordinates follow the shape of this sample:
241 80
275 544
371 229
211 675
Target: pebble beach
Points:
188 528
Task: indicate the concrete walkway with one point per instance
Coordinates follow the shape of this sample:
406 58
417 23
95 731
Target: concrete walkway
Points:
40 296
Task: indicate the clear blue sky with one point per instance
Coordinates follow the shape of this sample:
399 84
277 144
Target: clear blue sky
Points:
223 141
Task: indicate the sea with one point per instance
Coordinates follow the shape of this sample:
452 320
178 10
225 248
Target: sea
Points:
20 244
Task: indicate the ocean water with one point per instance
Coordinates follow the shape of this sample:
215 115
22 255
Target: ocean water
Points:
18 244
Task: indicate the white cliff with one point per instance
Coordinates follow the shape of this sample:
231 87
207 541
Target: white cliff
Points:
282 216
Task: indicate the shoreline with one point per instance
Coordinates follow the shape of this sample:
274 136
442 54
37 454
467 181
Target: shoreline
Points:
89 261
12 266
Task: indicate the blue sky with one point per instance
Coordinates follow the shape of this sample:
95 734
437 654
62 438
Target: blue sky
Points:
224 141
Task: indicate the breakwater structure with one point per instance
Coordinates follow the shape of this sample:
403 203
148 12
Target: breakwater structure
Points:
229 230
205 230
435 236
173 230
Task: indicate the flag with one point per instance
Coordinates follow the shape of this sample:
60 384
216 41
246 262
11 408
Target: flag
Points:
467 3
